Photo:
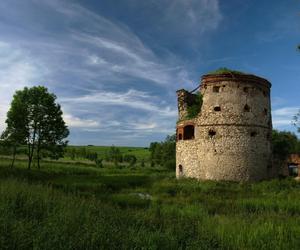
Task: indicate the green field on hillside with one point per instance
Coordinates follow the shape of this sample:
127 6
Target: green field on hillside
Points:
139 152
79 206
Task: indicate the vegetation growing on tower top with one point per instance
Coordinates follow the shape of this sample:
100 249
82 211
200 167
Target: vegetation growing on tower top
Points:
225 71
194 109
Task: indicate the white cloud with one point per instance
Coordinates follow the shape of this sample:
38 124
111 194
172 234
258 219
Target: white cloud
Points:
282 117
89 52
146 126
116 52
76 122
127 57
277 122
286 111
199 15
17 70
131 99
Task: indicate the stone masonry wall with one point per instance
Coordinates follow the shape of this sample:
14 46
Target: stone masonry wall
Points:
232 132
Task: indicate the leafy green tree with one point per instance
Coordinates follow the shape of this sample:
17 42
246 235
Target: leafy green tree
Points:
7 141
152 149
16 130
36 119
99 163
163 153
131 159
114 155
284 143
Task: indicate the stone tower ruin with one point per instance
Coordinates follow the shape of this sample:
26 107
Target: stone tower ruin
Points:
230 137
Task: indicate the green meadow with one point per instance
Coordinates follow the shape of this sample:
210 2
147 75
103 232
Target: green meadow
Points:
67 205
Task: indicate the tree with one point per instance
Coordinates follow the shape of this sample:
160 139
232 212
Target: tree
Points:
99 163
163 153
36 119
131 159
142 163
296 121
284 143
8 142
16 131
114 155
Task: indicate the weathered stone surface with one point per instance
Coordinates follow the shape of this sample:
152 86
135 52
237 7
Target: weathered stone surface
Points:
232 139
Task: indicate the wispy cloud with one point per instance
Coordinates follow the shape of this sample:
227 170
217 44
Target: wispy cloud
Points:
132 99
107 76
286 111
76 122
116 56
200 15
17 70
282 117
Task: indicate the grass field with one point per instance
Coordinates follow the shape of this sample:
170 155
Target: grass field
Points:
79 206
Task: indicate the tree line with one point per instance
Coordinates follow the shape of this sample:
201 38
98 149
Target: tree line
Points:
35 127
112 155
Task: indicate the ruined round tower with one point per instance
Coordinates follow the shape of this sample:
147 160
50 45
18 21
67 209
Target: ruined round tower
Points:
230 137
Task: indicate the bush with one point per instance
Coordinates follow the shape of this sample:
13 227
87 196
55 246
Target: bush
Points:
194 109
99 163
284 143
225 71
131 159
170 164
162 152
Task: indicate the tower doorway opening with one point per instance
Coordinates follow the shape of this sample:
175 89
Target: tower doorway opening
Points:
180 169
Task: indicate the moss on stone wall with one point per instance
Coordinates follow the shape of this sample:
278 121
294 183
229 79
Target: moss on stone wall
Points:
194 109
225 71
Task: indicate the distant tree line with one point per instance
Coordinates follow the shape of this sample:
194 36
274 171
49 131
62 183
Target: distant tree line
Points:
112 155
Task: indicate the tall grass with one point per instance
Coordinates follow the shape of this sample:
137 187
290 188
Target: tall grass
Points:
77 207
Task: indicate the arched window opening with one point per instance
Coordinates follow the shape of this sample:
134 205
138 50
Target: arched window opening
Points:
180 169
189 132
265 112
246 89
212 133
216 89
246 108
217 108
253 134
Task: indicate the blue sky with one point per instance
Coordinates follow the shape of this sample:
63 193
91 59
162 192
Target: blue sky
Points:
115 64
